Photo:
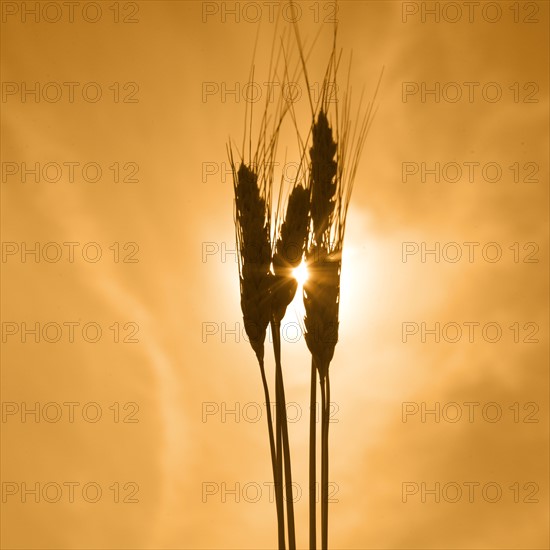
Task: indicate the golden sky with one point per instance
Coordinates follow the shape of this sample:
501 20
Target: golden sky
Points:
148 428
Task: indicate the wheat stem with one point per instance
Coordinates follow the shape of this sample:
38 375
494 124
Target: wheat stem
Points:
281 410
312 458
325 414
276 482
279 488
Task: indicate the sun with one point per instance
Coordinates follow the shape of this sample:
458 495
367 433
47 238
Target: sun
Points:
300 273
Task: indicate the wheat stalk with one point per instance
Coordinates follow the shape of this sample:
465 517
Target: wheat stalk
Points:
288 254
333 169
334 158
262 292
253 182
252 217
322 289
292 236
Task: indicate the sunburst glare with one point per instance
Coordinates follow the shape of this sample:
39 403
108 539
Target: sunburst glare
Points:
301 274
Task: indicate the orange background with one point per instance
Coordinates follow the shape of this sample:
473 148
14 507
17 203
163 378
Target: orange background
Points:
177 212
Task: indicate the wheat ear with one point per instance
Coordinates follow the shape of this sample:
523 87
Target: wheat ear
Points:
255 256
289 250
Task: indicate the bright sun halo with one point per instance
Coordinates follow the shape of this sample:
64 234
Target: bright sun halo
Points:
300 273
